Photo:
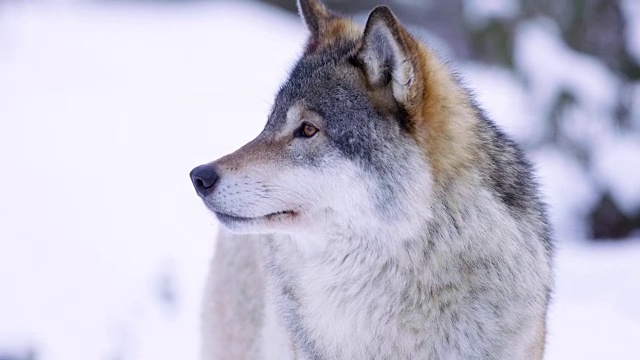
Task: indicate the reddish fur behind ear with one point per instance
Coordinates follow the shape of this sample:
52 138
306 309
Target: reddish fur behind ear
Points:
441 117
337 29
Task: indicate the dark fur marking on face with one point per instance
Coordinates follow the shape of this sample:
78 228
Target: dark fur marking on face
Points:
371 133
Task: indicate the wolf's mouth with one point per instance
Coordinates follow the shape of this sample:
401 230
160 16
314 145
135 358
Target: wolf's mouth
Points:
224 217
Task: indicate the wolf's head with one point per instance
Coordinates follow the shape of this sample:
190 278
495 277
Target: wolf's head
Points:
348 144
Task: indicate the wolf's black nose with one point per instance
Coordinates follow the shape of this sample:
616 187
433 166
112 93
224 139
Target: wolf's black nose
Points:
204 178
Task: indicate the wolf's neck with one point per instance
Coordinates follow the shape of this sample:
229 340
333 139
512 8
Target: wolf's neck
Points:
347 258
333 287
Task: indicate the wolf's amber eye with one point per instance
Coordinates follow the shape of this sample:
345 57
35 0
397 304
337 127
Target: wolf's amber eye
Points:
307 130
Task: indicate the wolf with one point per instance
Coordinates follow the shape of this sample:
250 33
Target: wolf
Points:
379 215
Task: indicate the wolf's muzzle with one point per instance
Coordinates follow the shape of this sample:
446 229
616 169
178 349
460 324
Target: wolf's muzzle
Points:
204 178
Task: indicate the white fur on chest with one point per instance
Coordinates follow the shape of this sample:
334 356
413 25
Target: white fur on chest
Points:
409 298
352 301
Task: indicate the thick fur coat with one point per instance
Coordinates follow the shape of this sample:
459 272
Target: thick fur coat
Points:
379 215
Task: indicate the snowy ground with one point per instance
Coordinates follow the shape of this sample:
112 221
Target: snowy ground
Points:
104 109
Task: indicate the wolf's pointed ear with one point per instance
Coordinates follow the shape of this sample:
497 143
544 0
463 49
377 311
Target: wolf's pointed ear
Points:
314 14
388 56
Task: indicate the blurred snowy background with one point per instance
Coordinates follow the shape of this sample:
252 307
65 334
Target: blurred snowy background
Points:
105 106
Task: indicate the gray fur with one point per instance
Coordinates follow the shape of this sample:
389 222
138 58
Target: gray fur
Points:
393 267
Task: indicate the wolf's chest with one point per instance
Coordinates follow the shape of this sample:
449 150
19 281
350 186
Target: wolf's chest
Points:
350 308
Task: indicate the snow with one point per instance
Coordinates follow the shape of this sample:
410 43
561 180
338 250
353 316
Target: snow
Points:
631 14
481 10
595 313
105 108
505 100
567 189
550 66
617 167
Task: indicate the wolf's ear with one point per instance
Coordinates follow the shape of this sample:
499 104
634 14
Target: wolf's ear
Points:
388 56
314 14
